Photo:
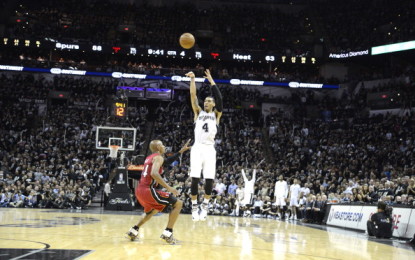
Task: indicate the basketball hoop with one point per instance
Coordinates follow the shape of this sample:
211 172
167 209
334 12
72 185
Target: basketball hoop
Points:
114 151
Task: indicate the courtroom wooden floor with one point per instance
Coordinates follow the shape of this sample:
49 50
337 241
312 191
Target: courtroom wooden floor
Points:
63 234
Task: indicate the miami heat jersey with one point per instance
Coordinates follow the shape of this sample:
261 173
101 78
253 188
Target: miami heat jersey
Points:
205 128
146 179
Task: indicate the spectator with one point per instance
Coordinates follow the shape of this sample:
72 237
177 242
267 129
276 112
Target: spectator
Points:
232 188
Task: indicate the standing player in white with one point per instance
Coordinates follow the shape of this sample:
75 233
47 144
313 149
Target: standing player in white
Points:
249 188
280 194
203 153
294 196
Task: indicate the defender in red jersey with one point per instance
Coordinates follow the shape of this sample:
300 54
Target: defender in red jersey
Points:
154 200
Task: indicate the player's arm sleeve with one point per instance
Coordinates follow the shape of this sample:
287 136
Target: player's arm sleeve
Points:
169 160
218 98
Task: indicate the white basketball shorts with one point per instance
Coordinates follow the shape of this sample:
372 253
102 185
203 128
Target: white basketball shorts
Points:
293 202
280 201
203 157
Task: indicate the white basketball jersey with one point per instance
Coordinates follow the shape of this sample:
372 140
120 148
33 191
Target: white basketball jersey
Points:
295 190
281 189
205 128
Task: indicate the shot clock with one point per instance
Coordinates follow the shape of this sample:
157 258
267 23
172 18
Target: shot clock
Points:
120 109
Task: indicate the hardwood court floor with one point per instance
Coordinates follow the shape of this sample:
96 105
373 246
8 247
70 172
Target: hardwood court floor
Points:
61 234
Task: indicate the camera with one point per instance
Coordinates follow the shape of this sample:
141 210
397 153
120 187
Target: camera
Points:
389 211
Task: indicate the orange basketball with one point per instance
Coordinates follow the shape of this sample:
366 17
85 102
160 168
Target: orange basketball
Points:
187 40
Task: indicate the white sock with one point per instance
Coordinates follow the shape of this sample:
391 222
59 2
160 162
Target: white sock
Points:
167 233
194 202
206 201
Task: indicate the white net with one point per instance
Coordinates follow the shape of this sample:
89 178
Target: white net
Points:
114 151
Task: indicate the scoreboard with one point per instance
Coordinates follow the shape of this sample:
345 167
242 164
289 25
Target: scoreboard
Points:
174 52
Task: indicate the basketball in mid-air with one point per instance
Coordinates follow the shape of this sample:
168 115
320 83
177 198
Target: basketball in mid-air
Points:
187 40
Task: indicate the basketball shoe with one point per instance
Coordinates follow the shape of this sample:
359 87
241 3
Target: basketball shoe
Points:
132 234
168 237
203 211
195 212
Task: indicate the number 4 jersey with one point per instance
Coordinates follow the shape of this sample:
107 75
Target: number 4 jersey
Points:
205 128
146 179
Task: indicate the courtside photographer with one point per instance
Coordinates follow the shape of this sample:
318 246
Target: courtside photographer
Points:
380 223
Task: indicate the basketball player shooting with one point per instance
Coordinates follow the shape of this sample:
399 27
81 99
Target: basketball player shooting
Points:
203 153
154 200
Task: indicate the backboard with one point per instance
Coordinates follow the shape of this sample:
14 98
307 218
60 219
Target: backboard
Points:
121 136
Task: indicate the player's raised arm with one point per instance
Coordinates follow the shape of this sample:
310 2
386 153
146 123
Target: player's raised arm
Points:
193 97
216 94
169 160
244 176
